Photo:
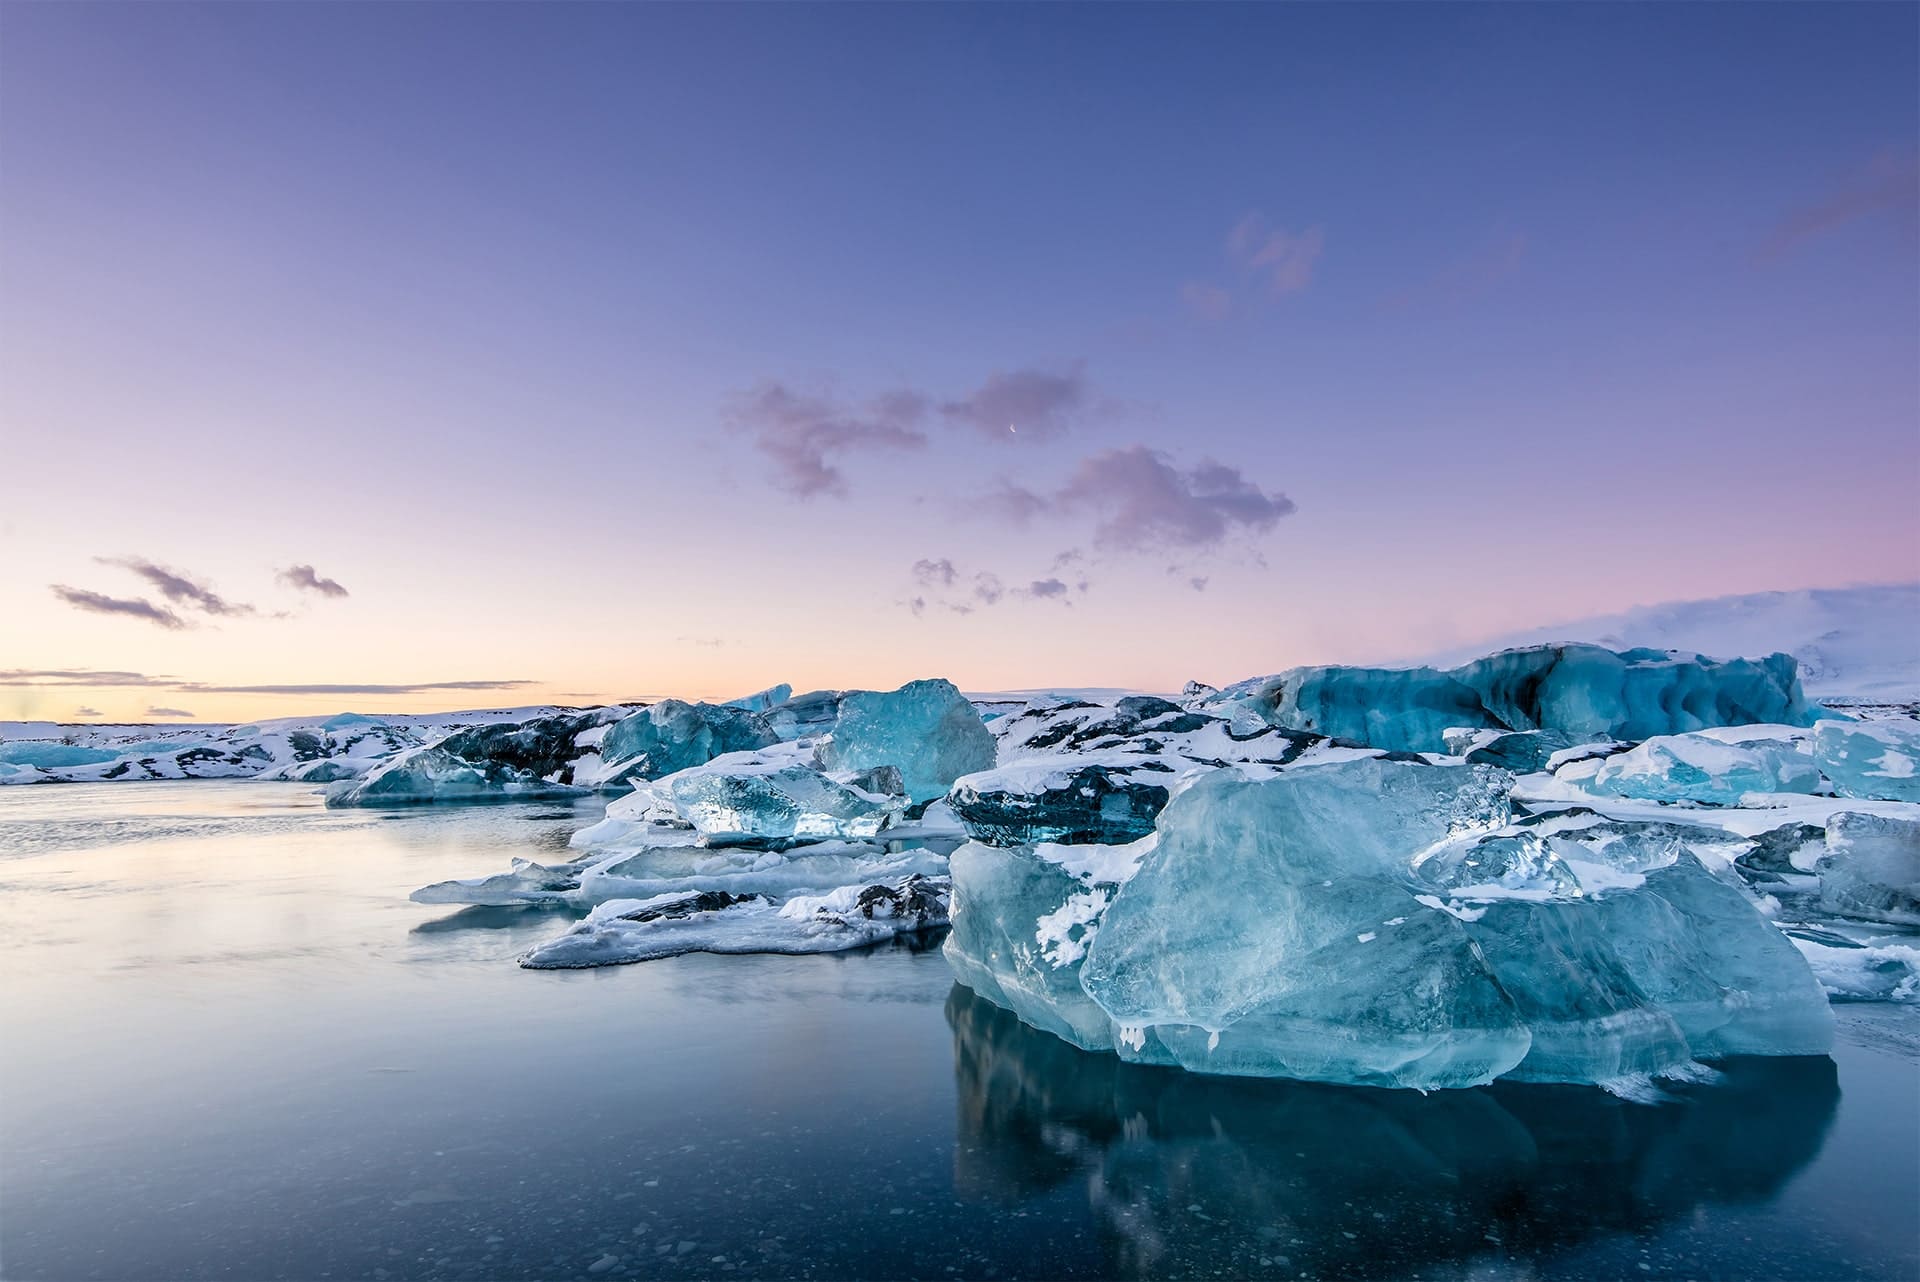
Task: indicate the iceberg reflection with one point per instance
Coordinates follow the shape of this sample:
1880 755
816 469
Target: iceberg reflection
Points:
1186 1173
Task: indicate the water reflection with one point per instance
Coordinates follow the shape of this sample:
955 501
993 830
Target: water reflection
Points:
1192 1174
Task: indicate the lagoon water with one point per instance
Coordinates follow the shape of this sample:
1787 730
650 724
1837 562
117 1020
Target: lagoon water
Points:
231 1048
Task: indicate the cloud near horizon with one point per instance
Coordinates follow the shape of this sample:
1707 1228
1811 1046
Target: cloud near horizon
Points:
153 710
103 679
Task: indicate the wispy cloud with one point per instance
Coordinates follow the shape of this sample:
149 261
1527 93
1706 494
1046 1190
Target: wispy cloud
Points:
419 687
936 573
171 714
1046 588
1141 500
307 579
1282 260
92 678
807 437
1021 404
178 587
88 712
1888 184
127 607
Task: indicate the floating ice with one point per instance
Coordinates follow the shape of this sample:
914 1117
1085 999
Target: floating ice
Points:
747 798
1870 758
424 775
1872 868
1699 768
528 883
925 728
671 735
1373 922
635 930
1110 798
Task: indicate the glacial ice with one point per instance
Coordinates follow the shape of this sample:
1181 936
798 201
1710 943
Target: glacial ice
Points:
622 931
423 775
1704 768
1875 759
805 716
925 728
671 735
762 700
1581 690
1871 869
1382 922
754 799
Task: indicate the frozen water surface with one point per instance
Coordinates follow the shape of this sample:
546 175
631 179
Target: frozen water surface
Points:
235 1049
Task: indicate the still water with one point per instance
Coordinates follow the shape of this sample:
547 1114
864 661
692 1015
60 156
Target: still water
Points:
231 1048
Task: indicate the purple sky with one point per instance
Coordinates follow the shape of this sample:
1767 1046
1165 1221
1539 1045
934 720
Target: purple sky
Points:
622 350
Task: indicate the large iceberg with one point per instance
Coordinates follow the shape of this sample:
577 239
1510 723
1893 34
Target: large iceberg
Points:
1582 690
926 729
1871 868
1381 922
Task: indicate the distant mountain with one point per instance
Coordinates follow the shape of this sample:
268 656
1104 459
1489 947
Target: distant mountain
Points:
1858 643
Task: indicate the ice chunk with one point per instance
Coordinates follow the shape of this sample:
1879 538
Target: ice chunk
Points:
1695 946
806 715
1000 948
926 728
764 699
1510 863
670 736
743 798
424 775
628 930
1271 932
1851 970
1879 759
1112 798
1580 690
528 883
1698 768
1872 868
1521 751
669 867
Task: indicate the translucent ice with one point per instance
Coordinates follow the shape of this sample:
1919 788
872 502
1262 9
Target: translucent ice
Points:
1870 758
925 728
635 930
764 699
1700 768
1581 690
1871 868
746 798
1000 898
1271 931
1111 798
671 735
424 775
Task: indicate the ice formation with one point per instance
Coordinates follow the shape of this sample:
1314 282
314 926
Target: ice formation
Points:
672 735
623 931
925 729
1580 690
1382 922
1713 769
1870 759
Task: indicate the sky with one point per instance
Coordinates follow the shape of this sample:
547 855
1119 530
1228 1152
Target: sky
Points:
418 357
